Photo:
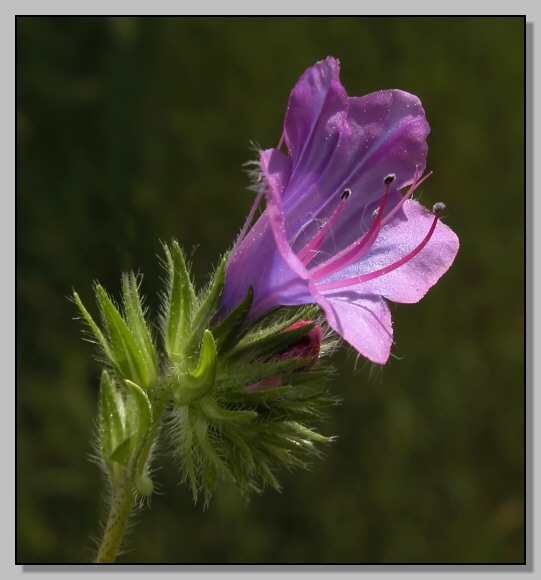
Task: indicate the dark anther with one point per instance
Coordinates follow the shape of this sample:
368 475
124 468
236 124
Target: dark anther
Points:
389 179
346 194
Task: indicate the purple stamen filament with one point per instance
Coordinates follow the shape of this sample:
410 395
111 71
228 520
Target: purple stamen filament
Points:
355 250
415 184
307 254
382 271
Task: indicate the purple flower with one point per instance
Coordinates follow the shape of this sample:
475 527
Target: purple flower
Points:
337 230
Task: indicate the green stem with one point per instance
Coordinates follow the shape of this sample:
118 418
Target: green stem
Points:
116 523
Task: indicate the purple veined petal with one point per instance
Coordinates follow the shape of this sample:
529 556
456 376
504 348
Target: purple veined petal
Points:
271 167
276 169
364 321
255 262
399 237
316 110
385 132
258 264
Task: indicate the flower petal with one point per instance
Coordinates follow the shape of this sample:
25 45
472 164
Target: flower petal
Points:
272 167
256 262
385 132
316 109
411 281
364 321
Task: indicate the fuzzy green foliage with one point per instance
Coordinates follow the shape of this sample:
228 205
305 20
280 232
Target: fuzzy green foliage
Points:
125 342
260 417
240 404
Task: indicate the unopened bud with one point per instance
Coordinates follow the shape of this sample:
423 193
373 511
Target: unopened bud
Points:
307 347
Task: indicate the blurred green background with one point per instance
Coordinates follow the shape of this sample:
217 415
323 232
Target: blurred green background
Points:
132 131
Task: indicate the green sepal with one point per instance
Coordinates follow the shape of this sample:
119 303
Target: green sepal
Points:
216 414
135 318
206 311
278 320
123 424
111 419
180 302
247 374
257 397
98 334
194 385
265 343
138 414
214 466
310 435
139 418
126 356
185 442
227 331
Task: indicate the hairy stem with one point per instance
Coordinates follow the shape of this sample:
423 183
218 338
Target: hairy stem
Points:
116 523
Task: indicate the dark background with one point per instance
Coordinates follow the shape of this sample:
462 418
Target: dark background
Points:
132 131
